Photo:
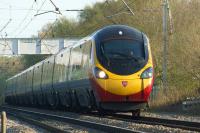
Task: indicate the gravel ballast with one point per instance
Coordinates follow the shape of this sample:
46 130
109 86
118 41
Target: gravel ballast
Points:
130 125
17 126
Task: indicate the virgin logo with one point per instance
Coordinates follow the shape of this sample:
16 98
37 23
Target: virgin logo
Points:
124 83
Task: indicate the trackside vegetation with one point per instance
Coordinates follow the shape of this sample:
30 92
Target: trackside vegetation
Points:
8 67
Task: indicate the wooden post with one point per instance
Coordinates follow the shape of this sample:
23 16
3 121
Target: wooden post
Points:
165 43
3 122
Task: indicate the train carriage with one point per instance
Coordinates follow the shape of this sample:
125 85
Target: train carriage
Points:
110 70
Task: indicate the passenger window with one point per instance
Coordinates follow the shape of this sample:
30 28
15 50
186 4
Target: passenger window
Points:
75 64
79 62
61 67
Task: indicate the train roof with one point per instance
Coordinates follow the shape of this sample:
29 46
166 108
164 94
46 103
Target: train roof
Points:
113 31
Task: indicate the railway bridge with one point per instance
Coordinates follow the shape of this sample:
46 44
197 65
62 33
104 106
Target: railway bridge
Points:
17 46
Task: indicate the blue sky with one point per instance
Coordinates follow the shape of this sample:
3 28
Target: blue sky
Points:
21 12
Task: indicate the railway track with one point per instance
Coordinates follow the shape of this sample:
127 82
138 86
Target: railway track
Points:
186 125
75 121
35 122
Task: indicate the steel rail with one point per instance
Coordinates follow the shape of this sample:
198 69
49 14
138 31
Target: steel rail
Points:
75 121
186 125
37 123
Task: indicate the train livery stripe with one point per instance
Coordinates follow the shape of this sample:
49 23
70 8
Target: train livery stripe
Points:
105 96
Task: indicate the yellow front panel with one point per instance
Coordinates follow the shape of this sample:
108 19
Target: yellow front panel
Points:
133 86
114 82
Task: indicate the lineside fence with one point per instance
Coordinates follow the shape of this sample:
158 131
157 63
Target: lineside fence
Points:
3 122
154 93
191 103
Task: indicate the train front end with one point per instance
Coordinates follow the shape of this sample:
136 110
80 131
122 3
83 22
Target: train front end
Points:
122 71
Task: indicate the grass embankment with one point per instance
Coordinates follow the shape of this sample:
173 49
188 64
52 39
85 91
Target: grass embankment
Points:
183 55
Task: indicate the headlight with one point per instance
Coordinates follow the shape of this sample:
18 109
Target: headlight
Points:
148 73
100 73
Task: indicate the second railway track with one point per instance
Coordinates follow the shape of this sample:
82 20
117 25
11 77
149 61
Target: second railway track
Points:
186 125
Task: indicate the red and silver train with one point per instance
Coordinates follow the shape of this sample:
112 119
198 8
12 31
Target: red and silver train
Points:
110 70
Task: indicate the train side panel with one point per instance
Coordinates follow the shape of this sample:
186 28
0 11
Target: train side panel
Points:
60 77
78 75
47 81
37 79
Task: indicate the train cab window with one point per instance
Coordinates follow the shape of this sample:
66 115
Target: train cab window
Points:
119 55
122 49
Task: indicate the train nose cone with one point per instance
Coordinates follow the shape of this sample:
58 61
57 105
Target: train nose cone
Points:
124 83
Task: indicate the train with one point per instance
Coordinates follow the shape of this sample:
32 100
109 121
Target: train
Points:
110 70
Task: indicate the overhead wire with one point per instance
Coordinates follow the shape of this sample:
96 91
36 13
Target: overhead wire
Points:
130 10
32 9
56 8
97 24
51 27
23 20
19 26
24 28
46 32
5 44
5 25
121 9
56 11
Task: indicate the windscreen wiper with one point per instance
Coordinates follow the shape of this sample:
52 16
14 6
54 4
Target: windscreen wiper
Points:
102 50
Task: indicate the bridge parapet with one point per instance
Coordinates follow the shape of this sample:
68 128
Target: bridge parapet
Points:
17 46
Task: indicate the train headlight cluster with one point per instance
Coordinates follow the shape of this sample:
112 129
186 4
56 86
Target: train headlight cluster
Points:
100 73
148 73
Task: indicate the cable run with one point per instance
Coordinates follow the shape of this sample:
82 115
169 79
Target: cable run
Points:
24 28
23 20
